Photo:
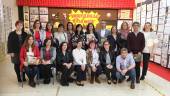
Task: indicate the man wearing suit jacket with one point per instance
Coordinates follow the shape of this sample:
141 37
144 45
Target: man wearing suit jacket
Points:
103 32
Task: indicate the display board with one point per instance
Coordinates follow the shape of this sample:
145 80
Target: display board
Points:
35 13
158 13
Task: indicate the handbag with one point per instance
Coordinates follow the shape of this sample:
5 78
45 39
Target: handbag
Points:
137 57
15 59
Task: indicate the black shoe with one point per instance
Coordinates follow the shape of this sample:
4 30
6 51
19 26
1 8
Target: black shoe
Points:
142 78
78 83
137 81
24 80
132 86
128 79
71 80
114 81
65 84
19 80
97 80
109 82
46 81
32 84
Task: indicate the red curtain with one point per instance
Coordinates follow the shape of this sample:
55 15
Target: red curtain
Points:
111 4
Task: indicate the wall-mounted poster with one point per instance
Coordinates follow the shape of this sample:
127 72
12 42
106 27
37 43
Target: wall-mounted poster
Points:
160 29
149 7
31 25
155 5
155 13
34 17
144 7
26 16
125 14
166 38
162 11
43 10
26 9
162 3
148 20
34 10
44 18
164 62
138 10
167 30
157 51
157 59
149 14
162 20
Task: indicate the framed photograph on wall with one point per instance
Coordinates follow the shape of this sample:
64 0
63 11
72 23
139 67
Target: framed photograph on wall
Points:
34 17
34 11
43 10
43 18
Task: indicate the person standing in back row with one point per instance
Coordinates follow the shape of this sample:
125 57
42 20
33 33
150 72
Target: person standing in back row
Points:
15 40
151 41
136 44
103 32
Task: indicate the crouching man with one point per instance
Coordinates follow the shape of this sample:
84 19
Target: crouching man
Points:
125 65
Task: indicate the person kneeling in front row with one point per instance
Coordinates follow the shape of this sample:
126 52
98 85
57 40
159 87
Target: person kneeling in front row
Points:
125 65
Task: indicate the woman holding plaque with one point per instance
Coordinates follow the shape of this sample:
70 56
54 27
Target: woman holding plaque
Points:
29 58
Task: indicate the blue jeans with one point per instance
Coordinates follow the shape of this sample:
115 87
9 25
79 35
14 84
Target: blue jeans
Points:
131 73
31 71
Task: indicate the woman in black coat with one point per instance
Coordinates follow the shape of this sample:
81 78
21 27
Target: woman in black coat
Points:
107 59
114 40
15 40
65 62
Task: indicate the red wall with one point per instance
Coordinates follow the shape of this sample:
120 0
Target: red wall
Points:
113 4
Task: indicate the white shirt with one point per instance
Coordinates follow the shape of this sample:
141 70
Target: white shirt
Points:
103 32
95 57
79 56
61 37
150 41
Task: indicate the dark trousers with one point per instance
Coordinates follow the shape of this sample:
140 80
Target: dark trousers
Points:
98 71
137 68
31 71
45 71
17 71
110 73
15 60
65 74
131 73
146 58
81 75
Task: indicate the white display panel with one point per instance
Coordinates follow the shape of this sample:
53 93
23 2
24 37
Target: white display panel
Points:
149 7
162 3
157 59
155 5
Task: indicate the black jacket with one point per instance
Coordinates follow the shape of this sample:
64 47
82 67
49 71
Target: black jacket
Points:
61 58
13 42
102 57
115 42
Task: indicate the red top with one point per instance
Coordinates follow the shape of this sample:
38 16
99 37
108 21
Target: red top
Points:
23 55
48 34
47 54
37 36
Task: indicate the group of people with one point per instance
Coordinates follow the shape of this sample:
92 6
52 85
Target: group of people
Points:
115 53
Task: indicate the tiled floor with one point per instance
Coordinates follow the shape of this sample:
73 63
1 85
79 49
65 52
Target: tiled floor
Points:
152 86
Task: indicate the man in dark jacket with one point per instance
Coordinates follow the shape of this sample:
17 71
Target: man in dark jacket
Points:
136 44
